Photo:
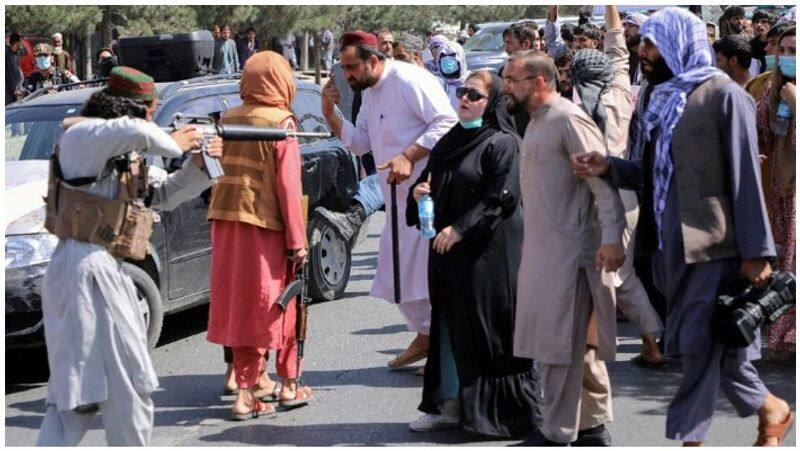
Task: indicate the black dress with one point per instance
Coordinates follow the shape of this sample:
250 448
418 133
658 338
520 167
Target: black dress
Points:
475 189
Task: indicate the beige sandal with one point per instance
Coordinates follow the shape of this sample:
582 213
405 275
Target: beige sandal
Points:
259 410
413 354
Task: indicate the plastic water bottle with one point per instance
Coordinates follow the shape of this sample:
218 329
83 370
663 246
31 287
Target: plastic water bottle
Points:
784 116
425 207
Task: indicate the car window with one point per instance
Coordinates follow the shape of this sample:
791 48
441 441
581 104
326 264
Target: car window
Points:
205 105
485 40
31 133
307 106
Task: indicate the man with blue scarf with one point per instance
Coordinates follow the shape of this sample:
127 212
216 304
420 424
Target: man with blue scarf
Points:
703 218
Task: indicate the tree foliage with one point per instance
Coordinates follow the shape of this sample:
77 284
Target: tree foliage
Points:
143 20
46 20
268 20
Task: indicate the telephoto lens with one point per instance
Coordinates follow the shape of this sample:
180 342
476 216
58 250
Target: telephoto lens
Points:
741 308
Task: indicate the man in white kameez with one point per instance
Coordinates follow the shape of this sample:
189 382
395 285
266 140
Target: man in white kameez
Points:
403 114
95 333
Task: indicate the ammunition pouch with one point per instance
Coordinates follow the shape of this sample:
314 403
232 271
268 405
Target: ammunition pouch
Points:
122 225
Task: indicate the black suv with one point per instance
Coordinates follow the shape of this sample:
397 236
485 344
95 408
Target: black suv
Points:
175 275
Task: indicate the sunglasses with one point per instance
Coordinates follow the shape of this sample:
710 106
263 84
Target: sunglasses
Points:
472 94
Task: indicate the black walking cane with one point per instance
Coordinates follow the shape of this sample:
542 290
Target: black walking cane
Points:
395 245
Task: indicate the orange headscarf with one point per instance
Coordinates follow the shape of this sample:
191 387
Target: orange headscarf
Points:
267 79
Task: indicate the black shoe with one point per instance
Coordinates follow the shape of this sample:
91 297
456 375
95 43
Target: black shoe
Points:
538 439
596 436
346 223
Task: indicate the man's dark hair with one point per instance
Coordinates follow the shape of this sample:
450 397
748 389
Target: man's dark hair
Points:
588 30
14 38
564 58
734 11
105 105
778 29
566 33
473 27
365 51
735 45
523 31
761 14
249 29
104 49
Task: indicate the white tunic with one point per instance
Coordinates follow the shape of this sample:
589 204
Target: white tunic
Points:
406 106
84 286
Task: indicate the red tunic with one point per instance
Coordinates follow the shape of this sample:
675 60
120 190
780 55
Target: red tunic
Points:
249 268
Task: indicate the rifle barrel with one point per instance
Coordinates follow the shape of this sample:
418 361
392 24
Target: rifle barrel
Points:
251 133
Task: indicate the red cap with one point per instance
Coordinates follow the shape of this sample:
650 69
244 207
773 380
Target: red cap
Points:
359 37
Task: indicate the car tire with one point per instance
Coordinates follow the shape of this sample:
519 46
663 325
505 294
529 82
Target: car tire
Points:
149 301
329 261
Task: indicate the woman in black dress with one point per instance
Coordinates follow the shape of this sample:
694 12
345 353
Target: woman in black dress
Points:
472 379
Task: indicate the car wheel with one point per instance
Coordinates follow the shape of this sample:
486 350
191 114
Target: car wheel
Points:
149 301
329 261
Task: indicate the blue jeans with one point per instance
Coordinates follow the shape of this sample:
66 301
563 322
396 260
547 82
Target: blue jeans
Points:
369 194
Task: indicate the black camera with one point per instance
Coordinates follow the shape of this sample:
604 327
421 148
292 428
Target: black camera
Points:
742 308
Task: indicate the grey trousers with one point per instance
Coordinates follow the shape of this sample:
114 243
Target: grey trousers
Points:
689 414
127 416
576 396
632 298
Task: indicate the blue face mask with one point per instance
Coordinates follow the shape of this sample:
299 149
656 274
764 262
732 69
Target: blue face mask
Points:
448 65
43 62
788 66
772 61
475 123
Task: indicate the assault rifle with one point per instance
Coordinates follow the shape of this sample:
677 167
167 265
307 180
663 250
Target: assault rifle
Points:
298 289
208 127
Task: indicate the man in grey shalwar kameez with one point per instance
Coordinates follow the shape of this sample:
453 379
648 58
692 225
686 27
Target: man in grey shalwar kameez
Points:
695 159
95 333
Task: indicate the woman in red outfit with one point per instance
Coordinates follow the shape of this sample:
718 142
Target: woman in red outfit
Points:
258 237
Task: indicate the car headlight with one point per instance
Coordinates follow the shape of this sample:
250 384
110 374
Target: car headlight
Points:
29 250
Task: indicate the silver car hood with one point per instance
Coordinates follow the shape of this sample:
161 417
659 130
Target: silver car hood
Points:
26 187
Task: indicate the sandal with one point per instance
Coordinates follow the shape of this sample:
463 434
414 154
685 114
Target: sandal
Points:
413 354
777 431
301 398
259 410
230 391
274 396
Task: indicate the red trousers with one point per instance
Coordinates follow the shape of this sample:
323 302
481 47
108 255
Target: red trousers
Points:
248 361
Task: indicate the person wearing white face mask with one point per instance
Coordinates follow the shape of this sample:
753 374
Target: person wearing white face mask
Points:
757 85
47 74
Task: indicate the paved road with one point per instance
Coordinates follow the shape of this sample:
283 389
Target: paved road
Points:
359 402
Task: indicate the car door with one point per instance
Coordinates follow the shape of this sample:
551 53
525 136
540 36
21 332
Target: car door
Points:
188 233
330 177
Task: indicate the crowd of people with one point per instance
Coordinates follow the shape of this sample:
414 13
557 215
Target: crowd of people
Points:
631 165
633 229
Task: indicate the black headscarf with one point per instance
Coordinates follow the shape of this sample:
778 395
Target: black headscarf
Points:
592 73
460 141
